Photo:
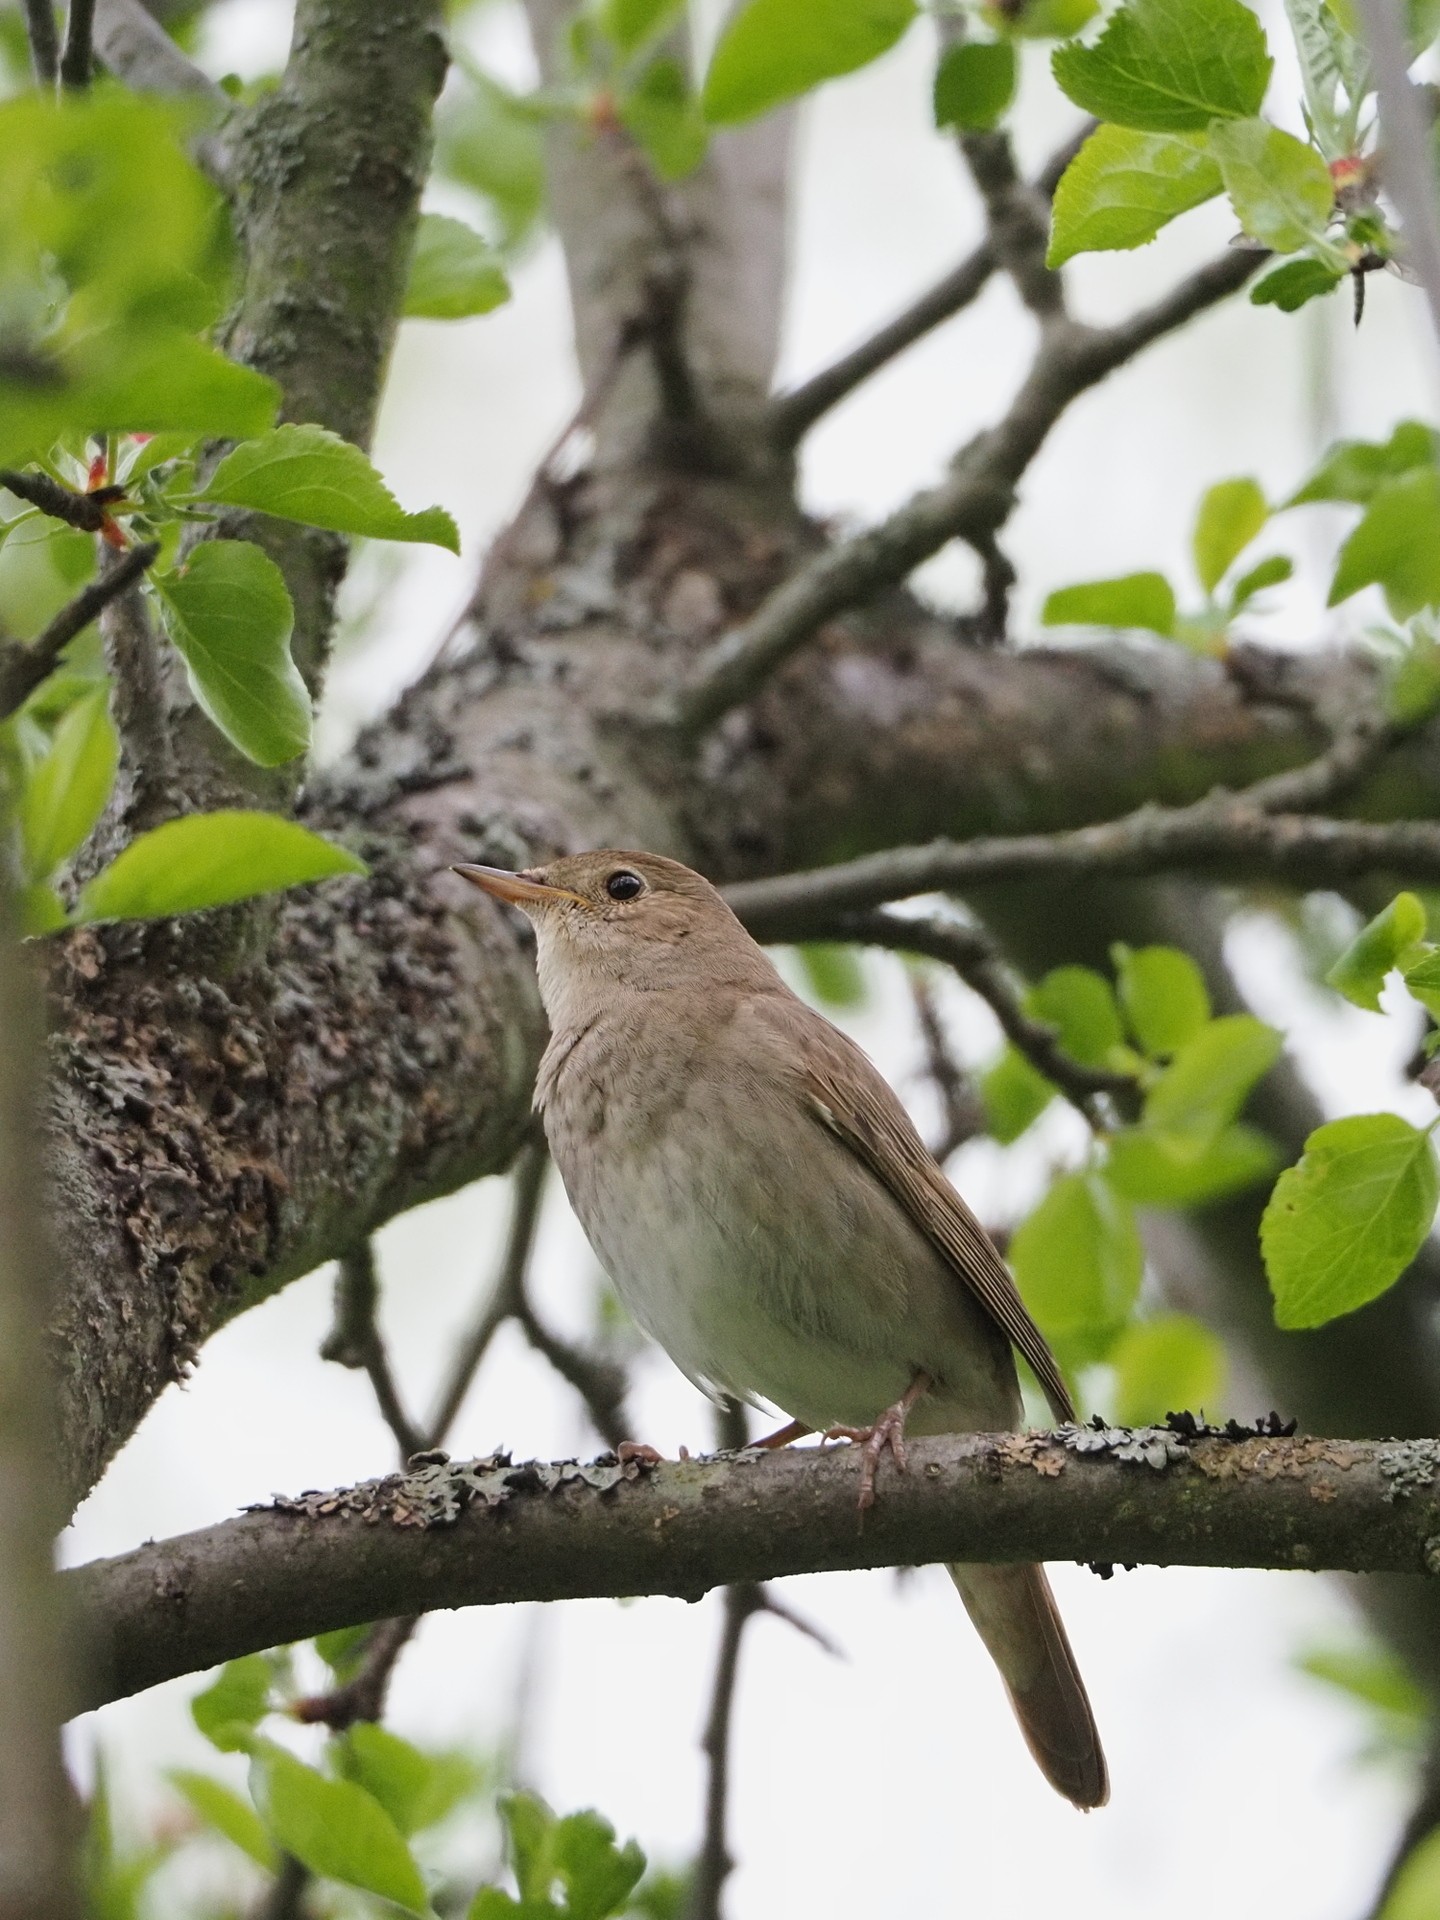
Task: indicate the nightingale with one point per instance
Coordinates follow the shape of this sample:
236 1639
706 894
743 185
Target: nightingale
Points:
768 1213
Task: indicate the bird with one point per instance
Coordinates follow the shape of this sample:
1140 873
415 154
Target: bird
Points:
769 1214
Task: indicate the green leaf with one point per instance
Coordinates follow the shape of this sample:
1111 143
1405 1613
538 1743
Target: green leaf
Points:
343 1651
229 1709
1078 1262
1415 1892
224 1810
229 613
1356 470
41 911
1412 689
1294 282
210 860
1270 572
1379 946
1122 188
1157 1169
1169 66
1230 516
389 1768
1206 1084
1373 1677
1422 977
454 272
313 476
833 973
1280 188
1164 1365
775 49
597 1875
1329 61
1344 1224
66 794
1014 1095
489 140
974 84
1134 600
1163 995
628 24
1081 1005
337 1830
662 114
1396 546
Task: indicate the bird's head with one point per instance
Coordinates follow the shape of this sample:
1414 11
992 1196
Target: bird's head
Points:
629 920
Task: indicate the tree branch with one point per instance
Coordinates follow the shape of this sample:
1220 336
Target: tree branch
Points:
485 1533
24 667
971 504
354 1341
1407 139
132 45
75 61
792 414
44 41
715 1863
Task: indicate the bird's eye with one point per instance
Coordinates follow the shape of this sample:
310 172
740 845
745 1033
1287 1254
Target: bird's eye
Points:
624 885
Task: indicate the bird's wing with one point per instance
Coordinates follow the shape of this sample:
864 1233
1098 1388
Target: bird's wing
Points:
850 1098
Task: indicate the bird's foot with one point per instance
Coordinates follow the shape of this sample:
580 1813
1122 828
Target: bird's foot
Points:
792 1430
638 1451
888 1432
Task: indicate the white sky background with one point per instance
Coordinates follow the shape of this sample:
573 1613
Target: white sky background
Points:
894 1781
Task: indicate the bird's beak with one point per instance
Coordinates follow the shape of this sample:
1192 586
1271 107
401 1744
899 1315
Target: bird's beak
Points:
517 888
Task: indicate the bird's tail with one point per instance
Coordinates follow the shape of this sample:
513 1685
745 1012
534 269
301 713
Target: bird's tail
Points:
1014 1611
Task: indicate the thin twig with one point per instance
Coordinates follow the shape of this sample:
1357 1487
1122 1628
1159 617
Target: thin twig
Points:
601 1384
977 958
284 1898
85 511
715 1861
1407 144
363 1696
792 414
44 41
354 1341
136 49
23 668
75 61
972 503
961 1110
1018 216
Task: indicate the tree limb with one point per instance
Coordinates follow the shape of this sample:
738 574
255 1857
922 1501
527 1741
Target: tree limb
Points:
971 504
537 1532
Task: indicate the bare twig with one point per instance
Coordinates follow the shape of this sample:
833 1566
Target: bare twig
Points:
1018 216
793 414
23 668
537 1532
971 504
715 1862
75 61
44 41
978 960
85 511
363 1696
1407 141
284 1898
36 1838
961 1111
354 1341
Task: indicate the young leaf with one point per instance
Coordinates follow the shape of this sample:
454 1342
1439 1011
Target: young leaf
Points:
228 1710
66 794
597 1874
1082 1006
1270 572
775 49
1163 995
224 1810
1294 282
1415 1891
1078 1262
1134 600
1422 977
1396 546
1164 1365
454 272
628 24
1412 689
1230 516
974 84
1356 470
313 476
337 1830
1206 1084
1156 1169
1123 186
1345 1222
389 1768
1014 1096
1360 971
833 973
489 140
662 114
1170 66
1280 188
210 860
229 613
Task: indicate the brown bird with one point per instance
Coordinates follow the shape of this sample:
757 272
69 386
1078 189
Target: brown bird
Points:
769 1214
